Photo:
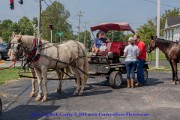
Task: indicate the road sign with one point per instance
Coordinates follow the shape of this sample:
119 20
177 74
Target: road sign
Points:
60 33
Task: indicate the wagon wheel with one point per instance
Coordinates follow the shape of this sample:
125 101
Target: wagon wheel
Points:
115 79
0 106
145 75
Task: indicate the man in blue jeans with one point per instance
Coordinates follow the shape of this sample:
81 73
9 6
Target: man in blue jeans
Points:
141 60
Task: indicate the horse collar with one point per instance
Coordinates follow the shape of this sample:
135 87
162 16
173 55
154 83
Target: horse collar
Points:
33 56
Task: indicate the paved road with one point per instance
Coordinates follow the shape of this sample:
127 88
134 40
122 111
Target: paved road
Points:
159 100
152 63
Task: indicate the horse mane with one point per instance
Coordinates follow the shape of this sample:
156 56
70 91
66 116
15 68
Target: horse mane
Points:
166 42
27 39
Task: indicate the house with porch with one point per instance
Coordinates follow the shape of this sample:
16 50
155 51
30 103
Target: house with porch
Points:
172 28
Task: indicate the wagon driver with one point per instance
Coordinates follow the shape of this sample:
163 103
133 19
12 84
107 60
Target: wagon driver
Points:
99 40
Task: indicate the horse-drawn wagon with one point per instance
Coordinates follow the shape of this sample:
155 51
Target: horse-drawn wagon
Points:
112 65
44 56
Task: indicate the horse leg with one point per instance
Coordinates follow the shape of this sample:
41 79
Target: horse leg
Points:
175 71
32 94
172 70
78 81
83 82
60 76
44 76
39 78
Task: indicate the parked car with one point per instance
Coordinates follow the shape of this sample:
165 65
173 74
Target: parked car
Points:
3 51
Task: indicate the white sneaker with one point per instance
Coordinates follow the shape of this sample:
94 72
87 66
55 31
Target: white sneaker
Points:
94 54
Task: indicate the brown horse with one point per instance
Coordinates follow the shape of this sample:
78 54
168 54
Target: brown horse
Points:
171 50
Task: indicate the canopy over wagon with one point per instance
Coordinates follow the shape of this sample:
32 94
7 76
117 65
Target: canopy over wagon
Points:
119 26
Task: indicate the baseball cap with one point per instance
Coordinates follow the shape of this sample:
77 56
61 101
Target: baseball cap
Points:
100 32
130 38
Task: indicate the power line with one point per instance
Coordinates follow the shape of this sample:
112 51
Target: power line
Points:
161 3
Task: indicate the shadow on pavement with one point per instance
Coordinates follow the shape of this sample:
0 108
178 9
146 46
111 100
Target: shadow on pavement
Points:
30 112
68 92
150 81
153 81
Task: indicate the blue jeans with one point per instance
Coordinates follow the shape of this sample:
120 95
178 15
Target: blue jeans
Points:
130 68
140 72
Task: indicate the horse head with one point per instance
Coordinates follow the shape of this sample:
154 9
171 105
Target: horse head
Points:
15 47
152 44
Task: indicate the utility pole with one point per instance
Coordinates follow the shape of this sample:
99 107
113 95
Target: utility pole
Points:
39 22
158 32
85 34
51 36
79 15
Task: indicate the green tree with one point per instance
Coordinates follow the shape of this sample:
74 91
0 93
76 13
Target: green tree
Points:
5 29
56 15
118 36
25 26
146 31
82 36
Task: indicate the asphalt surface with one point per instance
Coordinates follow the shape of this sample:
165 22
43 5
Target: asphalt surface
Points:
152 63
159 100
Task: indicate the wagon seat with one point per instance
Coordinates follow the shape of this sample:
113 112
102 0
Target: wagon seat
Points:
115 49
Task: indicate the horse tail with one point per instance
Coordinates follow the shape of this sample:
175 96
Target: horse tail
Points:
67 70
86 63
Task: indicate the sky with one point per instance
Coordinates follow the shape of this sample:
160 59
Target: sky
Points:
135 12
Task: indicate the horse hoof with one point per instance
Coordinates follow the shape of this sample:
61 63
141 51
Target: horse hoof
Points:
58 91
75 93
44 99
80 93
32 95
38 98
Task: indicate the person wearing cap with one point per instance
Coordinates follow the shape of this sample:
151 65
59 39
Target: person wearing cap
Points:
131 52
99 40
141 60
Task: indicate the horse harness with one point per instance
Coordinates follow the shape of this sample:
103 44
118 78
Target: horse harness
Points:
34 54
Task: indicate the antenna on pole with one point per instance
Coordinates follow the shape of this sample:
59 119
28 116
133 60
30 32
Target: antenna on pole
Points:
158 32
39 27
79 15
39 18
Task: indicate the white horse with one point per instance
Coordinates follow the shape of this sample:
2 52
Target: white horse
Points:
54 57
60 75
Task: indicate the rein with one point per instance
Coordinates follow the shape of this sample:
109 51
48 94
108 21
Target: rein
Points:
65 63
8 66
150 57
